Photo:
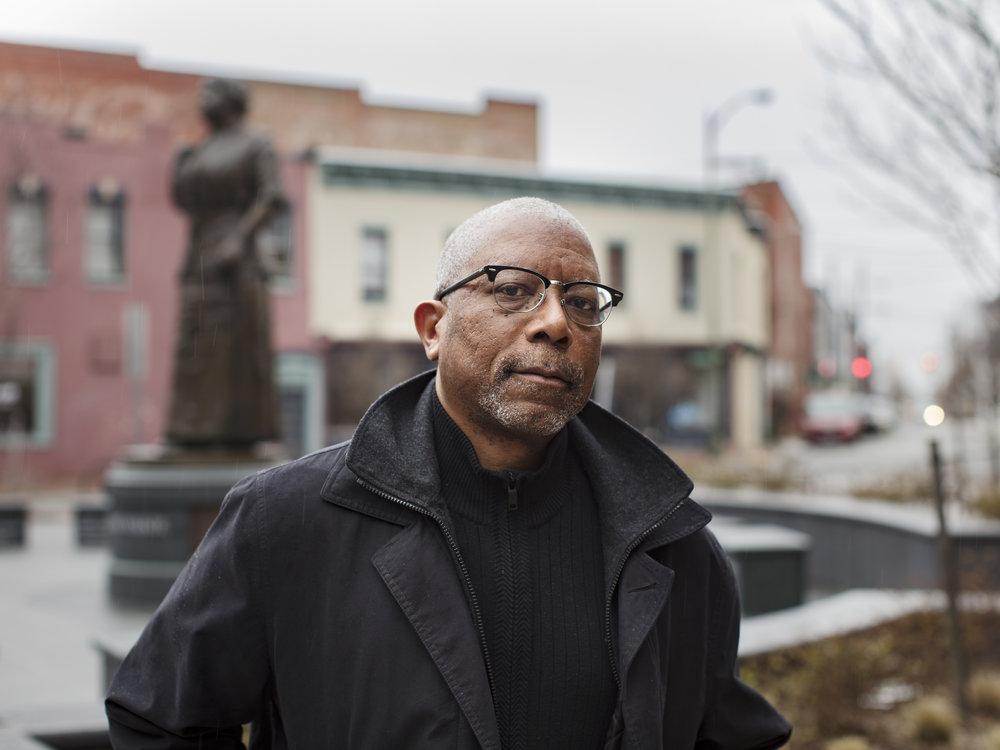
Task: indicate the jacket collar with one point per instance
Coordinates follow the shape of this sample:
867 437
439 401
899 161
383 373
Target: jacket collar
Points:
642 495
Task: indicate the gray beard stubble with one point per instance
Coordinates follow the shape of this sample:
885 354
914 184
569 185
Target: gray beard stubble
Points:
493 398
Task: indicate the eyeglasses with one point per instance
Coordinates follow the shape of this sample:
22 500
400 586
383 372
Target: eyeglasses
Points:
521 290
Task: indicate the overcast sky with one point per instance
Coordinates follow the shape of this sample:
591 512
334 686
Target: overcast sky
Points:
623 89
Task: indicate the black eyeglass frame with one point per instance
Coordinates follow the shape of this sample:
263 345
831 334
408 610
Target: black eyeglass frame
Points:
491 272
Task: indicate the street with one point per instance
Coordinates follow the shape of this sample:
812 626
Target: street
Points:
900 454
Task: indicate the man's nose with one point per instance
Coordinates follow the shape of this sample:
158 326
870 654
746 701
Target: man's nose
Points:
549 319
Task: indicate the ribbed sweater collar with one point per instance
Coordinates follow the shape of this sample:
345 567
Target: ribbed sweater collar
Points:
641 494
474 492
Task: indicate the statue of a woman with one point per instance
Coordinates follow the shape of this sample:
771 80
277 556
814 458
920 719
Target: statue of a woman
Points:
224 392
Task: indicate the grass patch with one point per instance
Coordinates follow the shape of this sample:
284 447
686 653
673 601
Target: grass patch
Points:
732 473
984 694
933 721
868 684
986 504
851 742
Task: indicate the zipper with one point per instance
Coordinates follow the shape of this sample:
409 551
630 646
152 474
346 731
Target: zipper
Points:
614 584
511 491
477 616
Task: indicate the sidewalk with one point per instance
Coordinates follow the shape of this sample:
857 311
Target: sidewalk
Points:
54 606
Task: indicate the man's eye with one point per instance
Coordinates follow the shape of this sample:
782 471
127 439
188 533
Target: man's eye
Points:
582 303
513 290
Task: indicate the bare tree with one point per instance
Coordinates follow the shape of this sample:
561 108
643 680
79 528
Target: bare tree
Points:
929 149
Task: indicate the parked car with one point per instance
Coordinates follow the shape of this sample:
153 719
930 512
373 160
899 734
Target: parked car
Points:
878 413
831 416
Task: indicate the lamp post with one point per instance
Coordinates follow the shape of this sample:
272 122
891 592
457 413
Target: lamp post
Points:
715 119
712 125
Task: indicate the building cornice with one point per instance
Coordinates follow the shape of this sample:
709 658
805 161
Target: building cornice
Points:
493 179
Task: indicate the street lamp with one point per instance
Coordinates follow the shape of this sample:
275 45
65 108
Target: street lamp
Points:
715 119
711 127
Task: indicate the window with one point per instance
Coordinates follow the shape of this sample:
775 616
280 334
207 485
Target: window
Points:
104 253
616 265
374 263
26 231
26 382
275 242
688 291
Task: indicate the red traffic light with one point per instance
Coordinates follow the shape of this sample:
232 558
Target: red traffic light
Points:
861 367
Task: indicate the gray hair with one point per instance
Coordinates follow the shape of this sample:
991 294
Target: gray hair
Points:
473 233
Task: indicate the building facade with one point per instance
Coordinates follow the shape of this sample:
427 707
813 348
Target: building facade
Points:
684 353
790 348
90 244
90 249
89 299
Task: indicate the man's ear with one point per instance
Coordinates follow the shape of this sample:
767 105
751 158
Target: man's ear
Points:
429 320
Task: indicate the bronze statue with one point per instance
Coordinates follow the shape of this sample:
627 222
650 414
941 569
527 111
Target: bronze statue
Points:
224 393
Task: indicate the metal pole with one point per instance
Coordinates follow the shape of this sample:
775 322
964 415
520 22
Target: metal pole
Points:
949 568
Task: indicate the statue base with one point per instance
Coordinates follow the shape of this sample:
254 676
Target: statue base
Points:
163 499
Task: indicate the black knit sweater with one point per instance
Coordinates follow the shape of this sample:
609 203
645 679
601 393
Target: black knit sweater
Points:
532 546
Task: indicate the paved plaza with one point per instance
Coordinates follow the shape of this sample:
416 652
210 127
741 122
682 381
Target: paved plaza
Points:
53 610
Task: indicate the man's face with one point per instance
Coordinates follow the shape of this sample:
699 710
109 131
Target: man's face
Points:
519 375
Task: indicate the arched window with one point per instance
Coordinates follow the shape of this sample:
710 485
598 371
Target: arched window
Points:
26 237
104 253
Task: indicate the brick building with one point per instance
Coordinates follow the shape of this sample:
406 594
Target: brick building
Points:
91 245
790 349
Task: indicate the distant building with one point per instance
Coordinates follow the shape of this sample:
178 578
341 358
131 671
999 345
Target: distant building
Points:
684 353
91 246
835 345
790 348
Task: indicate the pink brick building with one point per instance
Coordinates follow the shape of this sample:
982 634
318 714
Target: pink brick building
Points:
90 244
790 347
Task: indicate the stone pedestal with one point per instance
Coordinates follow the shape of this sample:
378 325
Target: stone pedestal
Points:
12 522
162 502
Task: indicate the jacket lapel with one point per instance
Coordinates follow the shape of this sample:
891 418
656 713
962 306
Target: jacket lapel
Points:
418 570
642 593
637 487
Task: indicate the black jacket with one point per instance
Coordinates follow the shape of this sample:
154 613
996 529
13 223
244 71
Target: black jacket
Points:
326 606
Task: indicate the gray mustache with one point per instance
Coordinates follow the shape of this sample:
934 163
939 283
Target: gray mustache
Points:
568 371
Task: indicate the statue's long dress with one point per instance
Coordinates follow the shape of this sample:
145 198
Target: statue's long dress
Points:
224 391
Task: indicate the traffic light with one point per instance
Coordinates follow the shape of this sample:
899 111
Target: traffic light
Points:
861 367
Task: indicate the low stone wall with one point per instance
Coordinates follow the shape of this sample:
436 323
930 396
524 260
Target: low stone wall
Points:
770 563
868 544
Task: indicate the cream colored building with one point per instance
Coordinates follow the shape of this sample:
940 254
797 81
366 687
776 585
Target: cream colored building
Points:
683 354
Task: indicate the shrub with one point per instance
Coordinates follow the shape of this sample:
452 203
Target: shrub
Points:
984 693
992 739
902 488
851 742
987 504
819 685
933 720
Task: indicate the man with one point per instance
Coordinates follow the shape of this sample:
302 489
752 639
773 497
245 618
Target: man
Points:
491 562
